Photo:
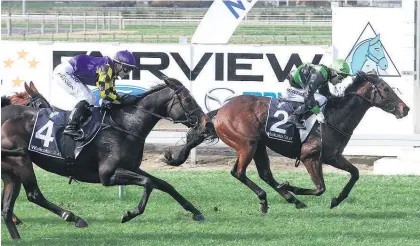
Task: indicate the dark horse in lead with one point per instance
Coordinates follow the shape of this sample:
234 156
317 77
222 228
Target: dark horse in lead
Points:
241 125
112 158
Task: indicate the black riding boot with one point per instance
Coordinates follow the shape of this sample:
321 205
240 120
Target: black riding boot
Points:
296 116
76 115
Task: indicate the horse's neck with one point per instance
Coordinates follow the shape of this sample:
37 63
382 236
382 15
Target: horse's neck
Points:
137 120
347 113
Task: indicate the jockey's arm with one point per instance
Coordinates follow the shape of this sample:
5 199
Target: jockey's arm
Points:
316 80
105 83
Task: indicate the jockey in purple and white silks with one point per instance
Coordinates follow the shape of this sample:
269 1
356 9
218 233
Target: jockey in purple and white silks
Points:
82 70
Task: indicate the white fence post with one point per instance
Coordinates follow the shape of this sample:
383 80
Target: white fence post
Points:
57 30
121 191
9 24
71 22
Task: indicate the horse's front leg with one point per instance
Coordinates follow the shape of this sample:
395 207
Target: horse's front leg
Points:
345 165
125 177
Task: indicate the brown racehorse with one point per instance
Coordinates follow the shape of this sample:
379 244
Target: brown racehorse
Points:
19 98
240 124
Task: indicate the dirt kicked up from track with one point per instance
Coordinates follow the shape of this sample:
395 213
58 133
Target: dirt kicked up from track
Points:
223 158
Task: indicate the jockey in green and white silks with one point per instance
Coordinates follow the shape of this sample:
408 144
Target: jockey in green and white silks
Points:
307 79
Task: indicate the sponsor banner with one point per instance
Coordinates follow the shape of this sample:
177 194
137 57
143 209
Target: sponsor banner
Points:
379 39
213 73
240 69
221 21
20 62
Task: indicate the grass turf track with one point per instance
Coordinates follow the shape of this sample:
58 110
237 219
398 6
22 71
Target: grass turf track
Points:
381 210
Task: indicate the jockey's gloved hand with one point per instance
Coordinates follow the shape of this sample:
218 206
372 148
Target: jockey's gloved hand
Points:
105 106
128 99
316 109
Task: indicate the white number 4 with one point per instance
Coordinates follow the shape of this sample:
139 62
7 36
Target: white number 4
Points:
47 137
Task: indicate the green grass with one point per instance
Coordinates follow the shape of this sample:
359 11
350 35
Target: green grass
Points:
380 211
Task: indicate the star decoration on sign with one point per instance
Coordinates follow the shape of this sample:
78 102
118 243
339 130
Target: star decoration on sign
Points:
33 63
22 54
8 63
17 82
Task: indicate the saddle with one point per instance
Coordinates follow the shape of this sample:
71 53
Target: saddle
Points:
48 139
277 126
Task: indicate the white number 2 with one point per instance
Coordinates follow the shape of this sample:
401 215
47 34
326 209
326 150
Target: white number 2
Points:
47 137
281 122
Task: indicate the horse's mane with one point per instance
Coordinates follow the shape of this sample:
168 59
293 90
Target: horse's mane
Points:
362 77
19 98
152 90
159 87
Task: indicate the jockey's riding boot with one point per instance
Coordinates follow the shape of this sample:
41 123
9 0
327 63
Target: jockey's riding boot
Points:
296 117
75 117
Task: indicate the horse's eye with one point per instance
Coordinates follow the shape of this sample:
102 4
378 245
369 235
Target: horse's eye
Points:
377 49
386 90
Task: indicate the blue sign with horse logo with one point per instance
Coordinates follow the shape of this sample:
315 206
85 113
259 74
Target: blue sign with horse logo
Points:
121 89
368 53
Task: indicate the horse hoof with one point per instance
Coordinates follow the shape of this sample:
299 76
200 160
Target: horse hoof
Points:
126 217
301 205
81 223
334 202
264 209
199 217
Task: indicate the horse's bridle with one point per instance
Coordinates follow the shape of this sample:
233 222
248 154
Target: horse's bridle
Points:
390 107
191 119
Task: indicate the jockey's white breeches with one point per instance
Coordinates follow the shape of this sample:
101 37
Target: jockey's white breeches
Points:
63 77
297 95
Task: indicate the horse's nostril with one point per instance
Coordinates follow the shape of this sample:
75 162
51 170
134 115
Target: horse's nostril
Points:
405 110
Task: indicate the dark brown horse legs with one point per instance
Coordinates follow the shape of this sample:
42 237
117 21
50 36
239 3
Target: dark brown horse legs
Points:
125 177
10 193
263 167
239 172
15 219
314 168
345 165
34 195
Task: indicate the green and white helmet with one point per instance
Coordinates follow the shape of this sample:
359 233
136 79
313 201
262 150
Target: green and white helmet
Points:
341 66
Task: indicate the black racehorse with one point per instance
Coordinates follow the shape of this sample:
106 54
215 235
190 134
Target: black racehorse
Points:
112 158
240 123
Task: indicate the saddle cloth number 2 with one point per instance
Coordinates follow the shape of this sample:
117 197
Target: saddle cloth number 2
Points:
275 126
47 137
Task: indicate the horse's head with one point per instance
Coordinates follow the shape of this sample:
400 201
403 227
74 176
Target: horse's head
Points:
36 99
183 108
376 52
378 93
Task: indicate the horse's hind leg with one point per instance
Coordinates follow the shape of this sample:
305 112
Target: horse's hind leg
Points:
345 165
263 166
126 177
245 155
33 193
15 219
11 192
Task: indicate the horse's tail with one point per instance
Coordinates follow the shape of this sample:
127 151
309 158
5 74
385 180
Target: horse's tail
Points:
12 152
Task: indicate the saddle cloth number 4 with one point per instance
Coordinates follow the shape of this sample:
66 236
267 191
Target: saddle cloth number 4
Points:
275 126
47 137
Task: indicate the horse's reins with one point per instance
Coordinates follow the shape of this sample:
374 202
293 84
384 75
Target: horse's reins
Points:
188 115
375 91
